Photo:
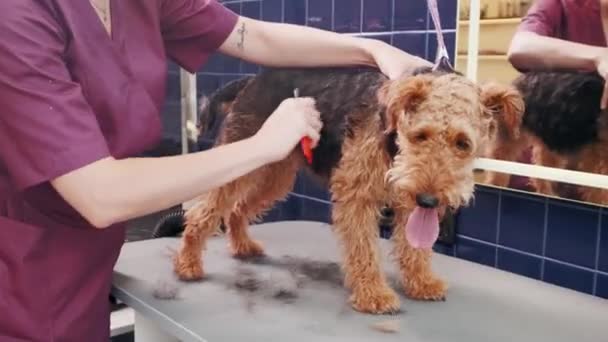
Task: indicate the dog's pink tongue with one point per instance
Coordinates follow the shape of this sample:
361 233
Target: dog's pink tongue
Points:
422 228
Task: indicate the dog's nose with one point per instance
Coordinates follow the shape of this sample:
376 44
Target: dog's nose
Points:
427 201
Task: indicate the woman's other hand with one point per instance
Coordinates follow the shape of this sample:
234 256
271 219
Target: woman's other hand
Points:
392 61
601 65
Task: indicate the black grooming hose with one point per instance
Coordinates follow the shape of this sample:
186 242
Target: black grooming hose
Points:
170 225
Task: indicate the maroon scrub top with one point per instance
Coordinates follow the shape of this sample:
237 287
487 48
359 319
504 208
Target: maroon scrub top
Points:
70 95
577 21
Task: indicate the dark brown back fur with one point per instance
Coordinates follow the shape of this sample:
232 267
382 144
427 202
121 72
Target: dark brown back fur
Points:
345 97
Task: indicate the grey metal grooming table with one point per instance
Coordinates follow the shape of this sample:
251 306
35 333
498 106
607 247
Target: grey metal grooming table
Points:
483 304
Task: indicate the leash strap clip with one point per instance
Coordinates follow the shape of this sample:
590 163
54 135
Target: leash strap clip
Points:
442 60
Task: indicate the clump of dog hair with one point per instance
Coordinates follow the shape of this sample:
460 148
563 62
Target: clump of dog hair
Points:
284 286
246 280
165 290
281 286
388 327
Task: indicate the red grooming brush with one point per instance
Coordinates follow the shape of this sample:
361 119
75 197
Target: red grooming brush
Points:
305 142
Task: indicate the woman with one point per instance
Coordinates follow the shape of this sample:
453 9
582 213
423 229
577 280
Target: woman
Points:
561 34
81 87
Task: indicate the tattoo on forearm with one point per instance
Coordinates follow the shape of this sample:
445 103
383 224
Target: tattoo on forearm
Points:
241 32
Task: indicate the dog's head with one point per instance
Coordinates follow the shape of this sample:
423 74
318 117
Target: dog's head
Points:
506 107
442 122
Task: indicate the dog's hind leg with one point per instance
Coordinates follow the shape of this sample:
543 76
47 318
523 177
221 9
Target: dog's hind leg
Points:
358 192
205 217
593 159
507 150
272 184
201 221
418 279
541 155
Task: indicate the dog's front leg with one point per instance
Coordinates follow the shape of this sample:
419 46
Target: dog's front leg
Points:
417 277
356 224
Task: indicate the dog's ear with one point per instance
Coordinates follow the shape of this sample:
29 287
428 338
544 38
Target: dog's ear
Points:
504 104
403 96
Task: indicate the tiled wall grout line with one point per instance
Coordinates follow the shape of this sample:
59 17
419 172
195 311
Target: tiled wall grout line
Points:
498 218
392 24
381 33
261 9
228 2
306 14
545 232
242 63
209 73
295 194
333 15
506 248
361 16
393 7
426 36
597 250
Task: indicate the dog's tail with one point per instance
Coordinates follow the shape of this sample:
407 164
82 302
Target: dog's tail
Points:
215 107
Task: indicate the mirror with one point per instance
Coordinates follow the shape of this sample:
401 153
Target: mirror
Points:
499 20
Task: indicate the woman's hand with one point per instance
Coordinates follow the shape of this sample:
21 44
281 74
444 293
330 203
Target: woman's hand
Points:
294 119
601 66
392 61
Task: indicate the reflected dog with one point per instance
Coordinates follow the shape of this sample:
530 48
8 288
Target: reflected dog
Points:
563 123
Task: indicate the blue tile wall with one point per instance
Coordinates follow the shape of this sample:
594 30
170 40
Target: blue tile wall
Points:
515 262
522 216
568 276
319 14
572 234
601 289
411 15
554 241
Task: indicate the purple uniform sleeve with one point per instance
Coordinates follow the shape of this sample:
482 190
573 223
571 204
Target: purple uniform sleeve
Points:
47 128
194 29
544 18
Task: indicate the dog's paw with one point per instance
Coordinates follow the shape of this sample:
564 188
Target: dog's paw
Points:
429 288
187 270
376 301
249 249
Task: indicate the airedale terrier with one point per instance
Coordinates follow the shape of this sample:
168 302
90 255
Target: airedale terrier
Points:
563 122
409 143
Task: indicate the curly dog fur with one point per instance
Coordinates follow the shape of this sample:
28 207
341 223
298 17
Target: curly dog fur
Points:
565 126
383 142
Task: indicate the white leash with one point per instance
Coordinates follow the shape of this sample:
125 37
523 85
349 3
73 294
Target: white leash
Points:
442 60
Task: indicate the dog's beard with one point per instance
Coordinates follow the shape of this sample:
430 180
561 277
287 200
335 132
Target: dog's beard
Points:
406 179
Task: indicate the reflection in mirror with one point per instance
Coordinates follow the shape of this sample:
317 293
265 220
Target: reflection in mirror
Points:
560 124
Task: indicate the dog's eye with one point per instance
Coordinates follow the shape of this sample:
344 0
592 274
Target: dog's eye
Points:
463 144
420 137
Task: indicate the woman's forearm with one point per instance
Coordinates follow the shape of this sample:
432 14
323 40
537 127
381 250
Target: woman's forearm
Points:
272 44
119 190
532 51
